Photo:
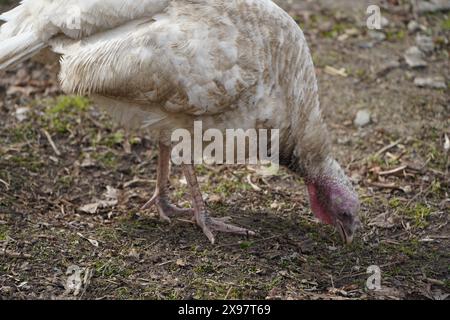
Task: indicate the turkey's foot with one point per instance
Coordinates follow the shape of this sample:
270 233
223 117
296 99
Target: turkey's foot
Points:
165 209
209 224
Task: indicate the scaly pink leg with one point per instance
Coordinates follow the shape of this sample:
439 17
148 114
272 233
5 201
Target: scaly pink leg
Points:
201 215
160 197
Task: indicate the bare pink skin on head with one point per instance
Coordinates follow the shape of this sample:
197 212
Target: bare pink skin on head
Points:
316 207
335 203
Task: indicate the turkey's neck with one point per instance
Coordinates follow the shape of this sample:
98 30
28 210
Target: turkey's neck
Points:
306 148
311 167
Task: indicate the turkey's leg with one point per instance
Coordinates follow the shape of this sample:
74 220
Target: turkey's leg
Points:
204 221
160 197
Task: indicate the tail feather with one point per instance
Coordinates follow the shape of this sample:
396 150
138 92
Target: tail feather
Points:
19 48
18 39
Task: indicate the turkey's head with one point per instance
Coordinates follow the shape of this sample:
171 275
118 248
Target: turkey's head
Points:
335 202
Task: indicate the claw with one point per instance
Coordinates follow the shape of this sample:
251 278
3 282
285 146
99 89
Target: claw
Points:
209 224
150 202
165 209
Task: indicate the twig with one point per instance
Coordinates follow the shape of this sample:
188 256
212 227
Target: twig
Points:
5 183
166 262
393 171
386 185
136 181
52 143
254 186
228 293
253 242
418 195
436 282
186 221
12 254
364 273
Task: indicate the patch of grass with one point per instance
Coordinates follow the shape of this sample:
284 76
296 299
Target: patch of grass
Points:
446 24
65 181
68 104
63 112
111 268
246 245
211 289
274 283
107 159
107 235
22 133
337 29
375 160
396 35
116 138
229 187
123 293
27 161
420 214
43 251
394 203
4 232
205 268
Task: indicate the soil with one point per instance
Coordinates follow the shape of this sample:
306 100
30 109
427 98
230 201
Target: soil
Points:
72 183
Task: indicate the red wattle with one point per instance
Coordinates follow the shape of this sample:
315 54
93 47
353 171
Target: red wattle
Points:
316 206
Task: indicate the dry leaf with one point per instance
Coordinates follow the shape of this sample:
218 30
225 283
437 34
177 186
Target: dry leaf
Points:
181 262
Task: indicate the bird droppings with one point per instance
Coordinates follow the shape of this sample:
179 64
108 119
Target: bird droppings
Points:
405 234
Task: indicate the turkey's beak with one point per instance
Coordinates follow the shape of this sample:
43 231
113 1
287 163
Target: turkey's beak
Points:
346 237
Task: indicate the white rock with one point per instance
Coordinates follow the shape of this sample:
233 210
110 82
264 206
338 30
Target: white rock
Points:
377 35
413 26
384 22
425 43
22 113
415 58
431 82
432 6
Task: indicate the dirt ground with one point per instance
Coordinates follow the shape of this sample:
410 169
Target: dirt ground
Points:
71 185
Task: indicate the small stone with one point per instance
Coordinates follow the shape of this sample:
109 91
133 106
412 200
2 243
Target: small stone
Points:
133 253
388 67
377 35
22 113
181 263
352 32
363 118
432 6
415 58
431 82
413 26
425 43
367 45
384 22
275 205
215 198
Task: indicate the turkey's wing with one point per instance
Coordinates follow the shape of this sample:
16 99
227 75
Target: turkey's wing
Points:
182 62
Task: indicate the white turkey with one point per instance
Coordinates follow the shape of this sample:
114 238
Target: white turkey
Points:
160 65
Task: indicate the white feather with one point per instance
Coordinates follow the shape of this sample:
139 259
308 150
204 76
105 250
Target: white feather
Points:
161 64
